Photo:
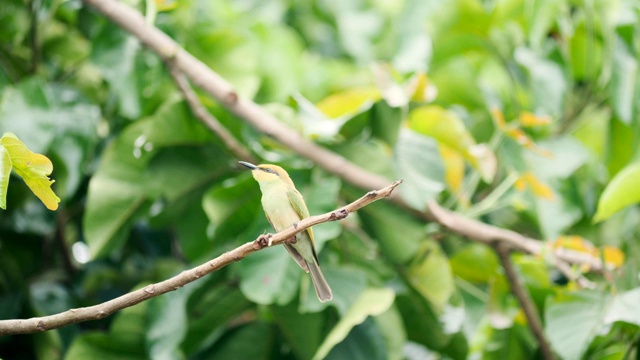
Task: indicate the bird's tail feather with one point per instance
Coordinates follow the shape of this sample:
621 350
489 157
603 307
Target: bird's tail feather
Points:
323 291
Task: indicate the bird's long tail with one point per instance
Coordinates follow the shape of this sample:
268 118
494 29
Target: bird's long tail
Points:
323 291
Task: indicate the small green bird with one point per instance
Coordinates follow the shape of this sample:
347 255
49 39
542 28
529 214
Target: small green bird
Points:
284 206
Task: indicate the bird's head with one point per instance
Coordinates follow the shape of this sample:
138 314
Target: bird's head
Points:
266 173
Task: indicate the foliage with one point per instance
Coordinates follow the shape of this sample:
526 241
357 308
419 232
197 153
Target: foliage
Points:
523 114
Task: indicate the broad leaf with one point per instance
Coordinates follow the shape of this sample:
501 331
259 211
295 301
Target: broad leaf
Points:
447 128
270 276
33 168
621 192
371 302
5 174
573 320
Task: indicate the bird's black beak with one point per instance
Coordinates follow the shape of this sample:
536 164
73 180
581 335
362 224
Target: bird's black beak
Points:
249 165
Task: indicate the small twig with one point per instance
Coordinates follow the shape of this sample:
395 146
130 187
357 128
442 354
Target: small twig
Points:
206 117
73 316
530 311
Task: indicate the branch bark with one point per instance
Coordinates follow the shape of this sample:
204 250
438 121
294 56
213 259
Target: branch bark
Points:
73 316
205 117
527 305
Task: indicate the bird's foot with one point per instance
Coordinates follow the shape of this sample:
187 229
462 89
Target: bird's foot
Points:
292 240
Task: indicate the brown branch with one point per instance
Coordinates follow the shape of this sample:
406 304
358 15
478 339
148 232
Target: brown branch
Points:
530 311
205 117
73 316
212 83
490 235
205 78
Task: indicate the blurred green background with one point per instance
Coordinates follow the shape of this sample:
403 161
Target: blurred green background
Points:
520 113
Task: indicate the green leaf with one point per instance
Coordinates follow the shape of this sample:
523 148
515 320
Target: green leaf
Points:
386 122
167 324
115 52
586 54
573 320
624 308
392 329
349 102
547 81
347 285
232 206
303 331
269 276
621 192
210 308
5 175
623 80
149 160
364 342
430 274
447 128
253 341
567 155
475 263
125 339
418 163
371 302
421 322
32 168
382 221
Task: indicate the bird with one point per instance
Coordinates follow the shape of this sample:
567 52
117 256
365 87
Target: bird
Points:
284 206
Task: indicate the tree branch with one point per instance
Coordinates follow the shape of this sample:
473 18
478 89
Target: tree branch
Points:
73 316
490 235
530 311
212 83
241 152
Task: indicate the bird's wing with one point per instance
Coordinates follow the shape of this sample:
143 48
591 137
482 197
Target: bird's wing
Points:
292 251
300 207
297 202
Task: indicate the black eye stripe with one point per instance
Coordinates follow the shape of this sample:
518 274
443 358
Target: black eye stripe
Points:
269 170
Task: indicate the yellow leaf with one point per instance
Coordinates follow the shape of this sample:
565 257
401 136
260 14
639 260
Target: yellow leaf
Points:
528 119
33 168
612 256
348 102
498 117
5 172
539 189
575 243
166 5
448 129
520 184
453 168
423 90
512 131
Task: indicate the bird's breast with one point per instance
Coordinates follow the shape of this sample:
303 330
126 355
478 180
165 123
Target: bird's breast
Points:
279 210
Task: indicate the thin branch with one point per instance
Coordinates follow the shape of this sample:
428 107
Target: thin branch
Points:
212 83
241 152
73 316
490 235
530 311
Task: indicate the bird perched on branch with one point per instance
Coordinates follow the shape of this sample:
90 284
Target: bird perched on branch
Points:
284 206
